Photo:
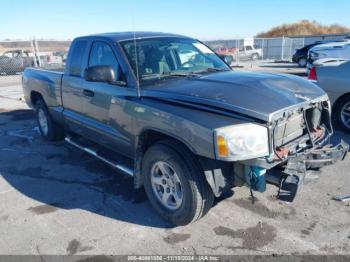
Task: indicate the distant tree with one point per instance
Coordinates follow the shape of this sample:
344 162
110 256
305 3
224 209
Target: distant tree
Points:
304 27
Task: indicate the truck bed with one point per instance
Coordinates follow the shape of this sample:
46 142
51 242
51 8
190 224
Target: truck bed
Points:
45 82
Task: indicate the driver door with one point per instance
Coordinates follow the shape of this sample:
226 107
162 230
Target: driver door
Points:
103 103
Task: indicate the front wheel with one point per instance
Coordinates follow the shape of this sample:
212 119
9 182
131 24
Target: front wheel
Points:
175 184
342 113
302 62
255 57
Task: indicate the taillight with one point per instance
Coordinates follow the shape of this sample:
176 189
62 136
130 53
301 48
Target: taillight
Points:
312 74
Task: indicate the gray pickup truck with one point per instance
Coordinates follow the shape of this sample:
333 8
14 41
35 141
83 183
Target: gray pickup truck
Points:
185 127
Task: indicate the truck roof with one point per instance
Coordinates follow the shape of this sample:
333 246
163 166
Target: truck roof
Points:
121 36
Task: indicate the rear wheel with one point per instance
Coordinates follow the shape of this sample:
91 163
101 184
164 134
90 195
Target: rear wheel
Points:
302 62
342 113
50 130
175 183
255 57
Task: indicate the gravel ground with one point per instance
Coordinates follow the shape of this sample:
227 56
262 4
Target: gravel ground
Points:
58 200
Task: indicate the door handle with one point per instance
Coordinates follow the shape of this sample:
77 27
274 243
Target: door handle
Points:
88 93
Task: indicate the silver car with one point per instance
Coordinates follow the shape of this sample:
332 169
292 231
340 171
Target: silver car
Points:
333 76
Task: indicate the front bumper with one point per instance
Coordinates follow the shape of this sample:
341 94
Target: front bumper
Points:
315 158
296 168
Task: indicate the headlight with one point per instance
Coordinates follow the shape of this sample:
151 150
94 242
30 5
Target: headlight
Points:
241 142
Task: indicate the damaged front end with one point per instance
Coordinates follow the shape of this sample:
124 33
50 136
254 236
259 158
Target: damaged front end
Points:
295 169
299 140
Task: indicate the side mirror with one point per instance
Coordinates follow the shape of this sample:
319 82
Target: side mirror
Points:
99 74
227 58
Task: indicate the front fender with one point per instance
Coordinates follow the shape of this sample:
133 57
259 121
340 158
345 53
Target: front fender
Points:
193 128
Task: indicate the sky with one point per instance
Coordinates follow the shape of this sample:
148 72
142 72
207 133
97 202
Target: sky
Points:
202 19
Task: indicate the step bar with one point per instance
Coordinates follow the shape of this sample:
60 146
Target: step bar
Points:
92 152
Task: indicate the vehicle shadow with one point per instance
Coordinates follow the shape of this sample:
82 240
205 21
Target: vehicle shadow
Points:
62 177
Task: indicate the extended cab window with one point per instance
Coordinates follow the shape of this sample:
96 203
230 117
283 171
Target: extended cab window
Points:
77 57
102 54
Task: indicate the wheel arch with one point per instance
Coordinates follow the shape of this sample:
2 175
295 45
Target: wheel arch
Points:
340 98
218 174
35 96
144 140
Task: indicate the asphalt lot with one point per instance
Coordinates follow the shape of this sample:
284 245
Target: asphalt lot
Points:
56 199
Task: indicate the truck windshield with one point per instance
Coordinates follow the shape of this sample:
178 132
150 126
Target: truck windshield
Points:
168 57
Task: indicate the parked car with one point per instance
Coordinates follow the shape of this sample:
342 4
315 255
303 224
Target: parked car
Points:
245 52
330 50
300 55
53 59
26 56
332 75
186 131
227 54
61 54
225 51
249 52
9 66
15 61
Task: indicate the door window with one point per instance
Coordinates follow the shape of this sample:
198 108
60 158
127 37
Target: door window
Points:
102 55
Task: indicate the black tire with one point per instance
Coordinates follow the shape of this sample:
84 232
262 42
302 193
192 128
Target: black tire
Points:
302 62
198 197
337 113
54 131
255 56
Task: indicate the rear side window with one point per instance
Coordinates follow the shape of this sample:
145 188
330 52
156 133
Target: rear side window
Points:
77 57
102 55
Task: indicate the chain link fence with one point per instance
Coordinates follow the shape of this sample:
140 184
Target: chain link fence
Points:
257 49
17 55
253 50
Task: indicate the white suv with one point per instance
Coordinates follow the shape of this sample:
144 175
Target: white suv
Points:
249 52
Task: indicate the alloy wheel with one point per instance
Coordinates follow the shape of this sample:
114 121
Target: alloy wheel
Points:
166 185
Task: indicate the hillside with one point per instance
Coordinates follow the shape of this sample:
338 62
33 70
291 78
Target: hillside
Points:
304 27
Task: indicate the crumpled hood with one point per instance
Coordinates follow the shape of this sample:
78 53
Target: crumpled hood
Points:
256 95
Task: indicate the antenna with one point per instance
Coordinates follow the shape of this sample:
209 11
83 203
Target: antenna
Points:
136 54
137 66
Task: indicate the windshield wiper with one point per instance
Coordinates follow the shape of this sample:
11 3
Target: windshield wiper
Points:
169 74
190 74
184 74
211 69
